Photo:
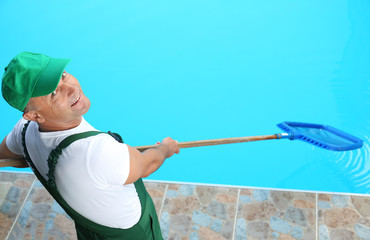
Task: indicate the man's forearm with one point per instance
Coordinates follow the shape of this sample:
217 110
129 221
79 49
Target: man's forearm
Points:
142 164
157 156
5 153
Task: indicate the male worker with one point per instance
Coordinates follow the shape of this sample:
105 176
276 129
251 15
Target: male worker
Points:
93 175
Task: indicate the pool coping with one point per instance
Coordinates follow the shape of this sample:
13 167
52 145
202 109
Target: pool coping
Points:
233 186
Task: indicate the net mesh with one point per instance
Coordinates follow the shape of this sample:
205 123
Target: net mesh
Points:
323 136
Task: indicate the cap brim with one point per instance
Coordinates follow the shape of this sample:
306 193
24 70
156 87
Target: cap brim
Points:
50 78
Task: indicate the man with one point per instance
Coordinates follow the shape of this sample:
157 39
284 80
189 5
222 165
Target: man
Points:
94 177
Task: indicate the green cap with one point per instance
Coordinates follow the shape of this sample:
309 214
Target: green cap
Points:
31 75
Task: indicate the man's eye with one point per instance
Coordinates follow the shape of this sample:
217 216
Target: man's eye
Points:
64 74
53 93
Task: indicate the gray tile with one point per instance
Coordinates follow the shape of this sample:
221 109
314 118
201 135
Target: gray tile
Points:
13 191
272 214
347 218
198 212
42 218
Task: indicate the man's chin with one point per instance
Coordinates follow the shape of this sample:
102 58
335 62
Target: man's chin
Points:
85 107
88 105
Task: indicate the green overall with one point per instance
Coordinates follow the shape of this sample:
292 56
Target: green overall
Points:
148 225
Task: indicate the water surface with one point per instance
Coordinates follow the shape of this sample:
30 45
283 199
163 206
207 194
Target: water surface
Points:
198 70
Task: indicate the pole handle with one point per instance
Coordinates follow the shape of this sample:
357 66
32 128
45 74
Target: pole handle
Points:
15 162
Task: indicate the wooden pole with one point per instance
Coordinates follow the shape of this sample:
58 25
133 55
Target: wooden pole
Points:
199 143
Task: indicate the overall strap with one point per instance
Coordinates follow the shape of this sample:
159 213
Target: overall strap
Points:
55 153
27 156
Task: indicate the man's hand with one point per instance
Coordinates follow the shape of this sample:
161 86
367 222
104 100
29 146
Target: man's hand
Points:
145 163
170 147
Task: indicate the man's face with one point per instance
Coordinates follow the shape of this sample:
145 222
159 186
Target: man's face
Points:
65 106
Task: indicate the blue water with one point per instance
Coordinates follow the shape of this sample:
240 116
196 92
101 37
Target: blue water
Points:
198 70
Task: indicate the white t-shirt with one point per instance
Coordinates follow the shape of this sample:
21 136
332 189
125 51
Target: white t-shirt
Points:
90 173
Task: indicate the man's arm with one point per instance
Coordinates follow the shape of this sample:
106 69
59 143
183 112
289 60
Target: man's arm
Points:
5 153
145 163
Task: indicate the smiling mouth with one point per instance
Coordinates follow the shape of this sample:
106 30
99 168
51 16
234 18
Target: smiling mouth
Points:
76 101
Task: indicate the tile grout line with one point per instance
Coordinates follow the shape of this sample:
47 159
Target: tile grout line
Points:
164 197
20 210
317 218
236 213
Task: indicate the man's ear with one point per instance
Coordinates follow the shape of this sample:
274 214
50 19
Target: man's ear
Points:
33 116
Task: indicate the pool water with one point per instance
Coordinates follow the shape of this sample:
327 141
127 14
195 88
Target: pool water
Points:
197 70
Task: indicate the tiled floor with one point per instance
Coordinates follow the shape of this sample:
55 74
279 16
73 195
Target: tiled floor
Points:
197 212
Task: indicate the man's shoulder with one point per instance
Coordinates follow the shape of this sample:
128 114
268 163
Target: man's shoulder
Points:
99 142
